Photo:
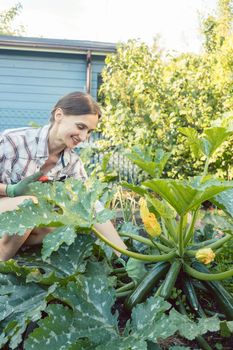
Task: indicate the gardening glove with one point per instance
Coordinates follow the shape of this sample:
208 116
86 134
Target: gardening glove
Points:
21 187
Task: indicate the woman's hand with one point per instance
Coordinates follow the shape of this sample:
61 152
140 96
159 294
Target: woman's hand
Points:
21 187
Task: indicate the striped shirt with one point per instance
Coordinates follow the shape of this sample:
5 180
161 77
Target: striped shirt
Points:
24 150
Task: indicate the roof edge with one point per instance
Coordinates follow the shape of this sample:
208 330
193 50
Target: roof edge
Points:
55 45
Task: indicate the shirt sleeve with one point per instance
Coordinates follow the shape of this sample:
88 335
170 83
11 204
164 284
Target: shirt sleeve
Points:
1 148
2 156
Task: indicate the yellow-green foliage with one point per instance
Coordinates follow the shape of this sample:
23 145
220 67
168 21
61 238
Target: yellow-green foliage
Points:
148 95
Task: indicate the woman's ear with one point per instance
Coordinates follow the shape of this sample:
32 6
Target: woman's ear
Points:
58 115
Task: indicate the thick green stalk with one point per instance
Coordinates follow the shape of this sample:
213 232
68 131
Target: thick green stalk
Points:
155 245
189 234
171 229
144 257
207 276
214 245
220 242
146 241
181 237
166 241
199 245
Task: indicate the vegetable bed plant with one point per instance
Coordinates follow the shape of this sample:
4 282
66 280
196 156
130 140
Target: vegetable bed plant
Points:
68 292
169 210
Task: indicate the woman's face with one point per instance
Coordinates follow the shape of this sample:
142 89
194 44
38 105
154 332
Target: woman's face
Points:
73 129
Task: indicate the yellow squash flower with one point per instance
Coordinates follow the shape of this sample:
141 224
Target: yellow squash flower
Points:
149 219
205 255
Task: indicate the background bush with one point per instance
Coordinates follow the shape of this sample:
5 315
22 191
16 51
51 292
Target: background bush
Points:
147 95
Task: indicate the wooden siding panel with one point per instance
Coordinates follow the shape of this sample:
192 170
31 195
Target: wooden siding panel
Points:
30 86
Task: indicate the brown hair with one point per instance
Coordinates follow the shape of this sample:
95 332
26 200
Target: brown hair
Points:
77 103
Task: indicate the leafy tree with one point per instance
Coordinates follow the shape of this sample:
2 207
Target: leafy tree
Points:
148 95
6 21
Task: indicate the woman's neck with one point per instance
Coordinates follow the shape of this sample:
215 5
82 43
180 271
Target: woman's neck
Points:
55 146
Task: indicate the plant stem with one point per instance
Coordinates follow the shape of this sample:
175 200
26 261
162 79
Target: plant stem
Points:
207 276
219 243
171 229
203 343
155 245
123 294
127 286
202 244
118 270
206 167
200 340
181 237
212 313
214 245
166 241
146 241
144 257
191 228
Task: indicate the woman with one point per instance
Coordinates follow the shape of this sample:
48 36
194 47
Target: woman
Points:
26 154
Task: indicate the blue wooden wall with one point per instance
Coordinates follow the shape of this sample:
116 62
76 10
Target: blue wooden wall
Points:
32 82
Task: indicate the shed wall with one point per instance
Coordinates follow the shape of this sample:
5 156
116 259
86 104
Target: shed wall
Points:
31 83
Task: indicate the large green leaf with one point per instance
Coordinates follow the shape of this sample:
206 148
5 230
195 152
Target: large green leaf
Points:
213 138
21 299
193 140
224 201
190 329
20 303
184 196
134 188
129 343
57 331
161 207
89 316
60 267
55 239
208 142
150 322
136 269
28 215
71 203
143 160
90 301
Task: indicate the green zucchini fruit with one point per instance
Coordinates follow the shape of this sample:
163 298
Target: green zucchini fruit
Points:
147 283
170 279
223 298
191 296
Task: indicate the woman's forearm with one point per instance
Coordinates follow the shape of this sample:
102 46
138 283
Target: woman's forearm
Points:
108 230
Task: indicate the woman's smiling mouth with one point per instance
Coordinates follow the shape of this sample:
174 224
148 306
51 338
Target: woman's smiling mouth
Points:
75 139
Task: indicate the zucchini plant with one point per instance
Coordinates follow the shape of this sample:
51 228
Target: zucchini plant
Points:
170 210
76 297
